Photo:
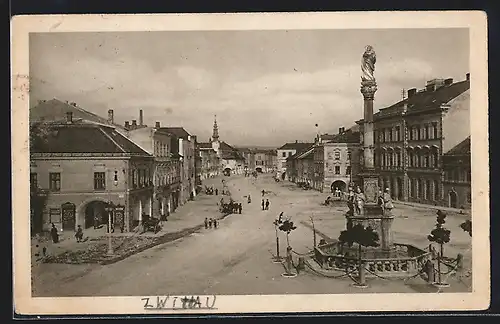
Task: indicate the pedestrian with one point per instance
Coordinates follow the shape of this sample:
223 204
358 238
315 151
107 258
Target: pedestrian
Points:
215 223
249 199
210 223
263 192
54 234
263 204
79 234
206 223
96 222
216 191
240 207
267 204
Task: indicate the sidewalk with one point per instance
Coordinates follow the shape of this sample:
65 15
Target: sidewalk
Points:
186 220
425 206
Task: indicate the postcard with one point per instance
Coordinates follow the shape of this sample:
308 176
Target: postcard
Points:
250 163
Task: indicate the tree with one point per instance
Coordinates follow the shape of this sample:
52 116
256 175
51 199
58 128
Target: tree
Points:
364 237
287 226
441 236
277 223
39 133
467 226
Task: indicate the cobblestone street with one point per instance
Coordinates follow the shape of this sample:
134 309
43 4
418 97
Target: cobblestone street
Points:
236 257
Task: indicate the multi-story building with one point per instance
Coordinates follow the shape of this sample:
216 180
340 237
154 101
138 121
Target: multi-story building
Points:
260 160
286 151
210 163
336 160
183 145
457 176
83 166
412 135
166 170
231 161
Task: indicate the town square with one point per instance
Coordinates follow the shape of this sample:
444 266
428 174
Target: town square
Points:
217 164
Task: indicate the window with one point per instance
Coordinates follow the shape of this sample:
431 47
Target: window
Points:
419 133
337 169
33 180
289 153
348 170
410 187
99 180
411 158
337 155
427 189
134 178
382 132
390 135
436 190
435 130
55 181
426 132
398 134
426 160
55 215
349 155
284 154
469 198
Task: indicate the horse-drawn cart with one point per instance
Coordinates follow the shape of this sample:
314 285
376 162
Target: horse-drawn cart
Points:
151 224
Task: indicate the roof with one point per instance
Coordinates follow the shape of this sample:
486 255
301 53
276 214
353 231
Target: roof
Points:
204 145
462 148
295 146
426 100
306 154
55 110
179 132
300 152
351 135
82 137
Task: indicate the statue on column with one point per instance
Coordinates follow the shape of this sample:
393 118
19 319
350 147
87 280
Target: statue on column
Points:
368 64
360 200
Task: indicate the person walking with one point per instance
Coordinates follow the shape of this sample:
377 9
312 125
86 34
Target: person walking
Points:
215 223
210 223
216 191
263 192
206 223
79 234
267 204
263 204
54 234
240 207
249 199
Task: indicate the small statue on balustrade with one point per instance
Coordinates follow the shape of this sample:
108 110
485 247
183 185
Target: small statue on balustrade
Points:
388 205
350 202
360 200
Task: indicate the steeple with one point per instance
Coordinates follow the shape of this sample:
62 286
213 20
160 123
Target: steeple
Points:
215 135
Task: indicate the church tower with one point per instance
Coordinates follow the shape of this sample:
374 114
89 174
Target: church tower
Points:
215 137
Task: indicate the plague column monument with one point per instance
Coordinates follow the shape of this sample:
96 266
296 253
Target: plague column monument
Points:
371 212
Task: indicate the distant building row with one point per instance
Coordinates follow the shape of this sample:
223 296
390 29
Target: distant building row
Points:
422 149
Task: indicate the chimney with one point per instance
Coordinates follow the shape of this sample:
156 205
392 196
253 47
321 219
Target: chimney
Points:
340 130
134 124
157 125
141 120
111 118
296 141
127 125
412 92
448 81
467 77
69 117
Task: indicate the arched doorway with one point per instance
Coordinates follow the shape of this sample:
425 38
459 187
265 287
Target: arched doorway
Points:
227 171
283 176
258 170
453 199
339 184
95 212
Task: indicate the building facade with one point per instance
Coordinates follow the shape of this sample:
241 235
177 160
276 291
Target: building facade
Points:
412 135
457 176
166 171
184 147
83 166
284 152
210 163
336 160
260 160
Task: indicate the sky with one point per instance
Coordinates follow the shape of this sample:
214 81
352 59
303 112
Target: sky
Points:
266 87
